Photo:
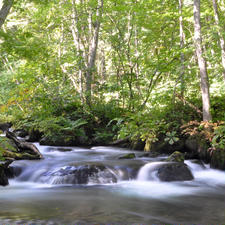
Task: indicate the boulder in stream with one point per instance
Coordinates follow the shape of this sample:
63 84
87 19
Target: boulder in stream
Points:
83 174
174 172
5 172
128 156
3 178
165 171
176 157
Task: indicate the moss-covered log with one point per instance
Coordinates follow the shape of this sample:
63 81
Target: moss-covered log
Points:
25 147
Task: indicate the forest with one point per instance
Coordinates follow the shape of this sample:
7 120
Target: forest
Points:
97 72
112 112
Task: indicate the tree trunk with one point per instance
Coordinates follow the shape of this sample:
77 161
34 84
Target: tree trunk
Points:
182 67
78 44
7 4
201 63
92 53
222 42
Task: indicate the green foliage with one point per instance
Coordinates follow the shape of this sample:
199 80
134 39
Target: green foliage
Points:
218 140
135 79
103 136
106 111
171 137
140 126
218 107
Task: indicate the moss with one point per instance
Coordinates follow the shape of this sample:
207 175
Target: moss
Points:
128 156
7 144
7 149
176 157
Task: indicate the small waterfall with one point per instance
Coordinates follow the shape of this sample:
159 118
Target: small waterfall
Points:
148 171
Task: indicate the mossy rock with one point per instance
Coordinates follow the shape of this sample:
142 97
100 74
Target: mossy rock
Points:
176 157
203 150
218 159
197 147
7 148
128 156
174 171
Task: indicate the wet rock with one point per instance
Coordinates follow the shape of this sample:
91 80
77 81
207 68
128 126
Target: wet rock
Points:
191 144
218 159
97 174
126 169
197 148
163 147
13 171
4 172
176 157
3 178
174 172
128 156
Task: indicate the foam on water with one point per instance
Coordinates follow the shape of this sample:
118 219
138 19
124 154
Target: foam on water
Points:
204 174
147 172
156 189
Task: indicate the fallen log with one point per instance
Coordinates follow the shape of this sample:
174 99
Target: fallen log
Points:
24 146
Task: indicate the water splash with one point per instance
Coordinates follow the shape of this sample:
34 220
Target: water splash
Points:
148 171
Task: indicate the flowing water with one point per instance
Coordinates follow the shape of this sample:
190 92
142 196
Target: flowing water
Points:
122 191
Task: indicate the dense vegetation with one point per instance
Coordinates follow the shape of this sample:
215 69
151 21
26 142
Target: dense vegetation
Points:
95 71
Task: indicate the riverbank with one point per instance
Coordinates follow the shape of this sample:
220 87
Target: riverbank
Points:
197 140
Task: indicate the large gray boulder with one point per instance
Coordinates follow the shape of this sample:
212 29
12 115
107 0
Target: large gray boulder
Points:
165 171
174 172
83 174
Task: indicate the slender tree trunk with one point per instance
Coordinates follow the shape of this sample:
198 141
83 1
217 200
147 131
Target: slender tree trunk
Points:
222 42
92 53
4 11
182 67
77 39
201 63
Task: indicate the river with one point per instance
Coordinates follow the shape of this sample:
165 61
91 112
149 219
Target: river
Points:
42 195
